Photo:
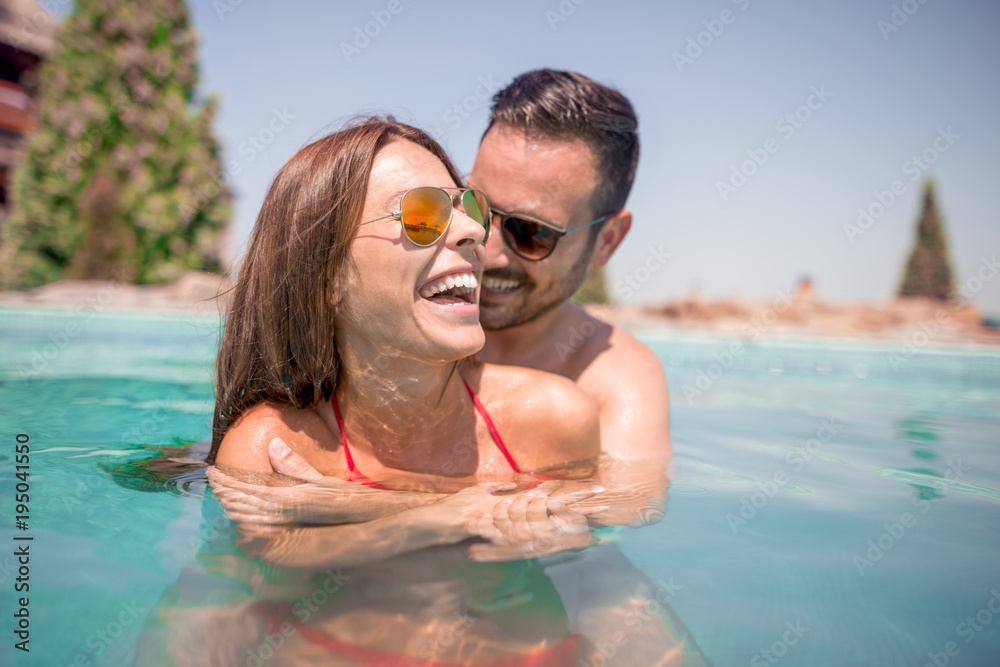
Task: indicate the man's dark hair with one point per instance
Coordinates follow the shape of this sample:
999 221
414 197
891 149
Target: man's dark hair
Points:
552 104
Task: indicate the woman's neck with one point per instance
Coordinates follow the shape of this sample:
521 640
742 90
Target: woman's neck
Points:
402 411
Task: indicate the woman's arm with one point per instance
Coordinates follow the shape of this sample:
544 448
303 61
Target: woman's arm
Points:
346 545
276 499
447 521
245 445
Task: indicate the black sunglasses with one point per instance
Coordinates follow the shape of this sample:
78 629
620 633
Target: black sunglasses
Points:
531 238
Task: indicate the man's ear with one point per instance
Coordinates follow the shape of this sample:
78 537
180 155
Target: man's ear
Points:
612 234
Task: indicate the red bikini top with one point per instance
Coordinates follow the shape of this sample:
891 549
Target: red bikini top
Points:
358 476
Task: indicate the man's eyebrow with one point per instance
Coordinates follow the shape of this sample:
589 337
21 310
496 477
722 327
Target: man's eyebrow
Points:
524 210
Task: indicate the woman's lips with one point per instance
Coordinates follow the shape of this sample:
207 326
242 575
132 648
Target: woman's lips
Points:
457 286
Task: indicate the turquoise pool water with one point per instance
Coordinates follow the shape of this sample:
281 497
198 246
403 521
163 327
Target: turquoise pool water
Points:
829 505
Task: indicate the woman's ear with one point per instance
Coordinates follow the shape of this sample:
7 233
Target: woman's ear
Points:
610 237
336 290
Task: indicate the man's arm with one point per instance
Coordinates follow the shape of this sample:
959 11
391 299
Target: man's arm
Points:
626 380
630 493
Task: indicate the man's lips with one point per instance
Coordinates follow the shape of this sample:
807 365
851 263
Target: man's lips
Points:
498 288
500 284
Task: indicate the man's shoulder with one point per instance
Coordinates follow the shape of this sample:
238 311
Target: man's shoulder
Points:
624 349
603 346
619 368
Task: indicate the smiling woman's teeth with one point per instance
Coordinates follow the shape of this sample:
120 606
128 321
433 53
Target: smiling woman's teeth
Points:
457 285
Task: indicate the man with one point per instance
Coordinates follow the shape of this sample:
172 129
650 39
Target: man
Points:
557 162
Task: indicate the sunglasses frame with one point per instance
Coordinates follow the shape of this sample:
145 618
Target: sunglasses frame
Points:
487 224
503 217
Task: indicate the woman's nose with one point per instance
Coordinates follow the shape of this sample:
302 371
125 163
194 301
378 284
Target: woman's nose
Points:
464 230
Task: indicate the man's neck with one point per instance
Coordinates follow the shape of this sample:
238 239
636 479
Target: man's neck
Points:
526 344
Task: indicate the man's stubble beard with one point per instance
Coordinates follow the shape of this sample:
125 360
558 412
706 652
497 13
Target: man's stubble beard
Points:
538 304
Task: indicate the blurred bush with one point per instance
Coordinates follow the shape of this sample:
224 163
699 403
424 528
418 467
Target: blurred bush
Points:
123 178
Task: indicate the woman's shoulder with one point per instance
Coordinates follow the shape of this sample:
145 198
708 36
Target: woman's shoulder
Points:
520 382
245 444
546 420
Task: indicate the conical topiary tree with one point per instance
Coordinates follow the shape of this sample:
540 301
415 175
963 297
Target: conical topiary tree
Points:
123 177
928 271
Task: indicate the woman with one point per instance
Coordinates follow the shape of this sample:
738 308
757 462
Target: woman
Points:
351 328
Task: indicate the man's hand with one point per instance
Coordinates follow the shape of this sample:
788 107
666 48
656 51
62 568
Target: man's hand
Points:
287 462
531 525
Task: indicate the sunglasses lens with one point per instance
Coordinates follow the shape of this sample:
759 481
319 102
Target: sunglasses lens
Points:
426 214
476 207
528 238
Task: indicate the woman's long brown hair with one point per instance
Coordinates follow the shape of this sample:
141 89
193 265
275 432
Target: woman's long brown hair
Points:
279 342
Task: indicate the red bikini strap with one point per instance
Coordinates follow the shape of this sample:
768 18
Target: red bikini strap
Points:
475 401
493 429
343 434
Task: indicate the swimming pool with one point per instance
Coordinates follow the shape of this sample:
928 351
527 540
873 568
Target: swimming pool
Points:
829 504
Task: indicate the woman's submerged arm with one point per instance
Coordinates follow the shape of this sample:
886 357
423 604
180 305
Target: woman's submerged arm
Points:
446 521
345 545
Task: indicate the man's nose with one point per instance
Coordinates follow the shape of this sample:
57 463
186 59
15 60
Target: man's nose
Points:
497 256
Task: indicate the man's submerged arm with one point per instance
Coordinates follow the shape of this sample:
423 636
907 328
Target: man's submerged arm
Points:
628 384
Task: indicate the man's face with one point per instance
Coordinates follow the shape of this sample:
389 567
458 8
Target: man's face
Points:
553 181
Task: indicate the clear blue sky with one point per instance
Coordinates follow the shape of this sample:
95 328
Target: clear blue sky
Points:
887 95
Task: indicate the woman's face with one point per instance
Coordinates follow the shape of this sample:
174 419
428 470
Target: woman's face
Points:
388 295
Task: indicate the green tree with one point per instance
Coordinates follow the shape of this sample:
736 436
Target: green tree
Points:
593 289
123 177
928 271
